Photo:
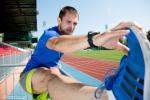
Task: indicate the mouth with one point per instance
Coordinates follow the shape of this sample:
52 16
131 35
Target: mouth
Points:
69 30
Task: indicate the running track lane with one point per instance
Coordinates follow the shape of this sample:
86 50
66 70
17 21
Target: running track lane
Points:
95 68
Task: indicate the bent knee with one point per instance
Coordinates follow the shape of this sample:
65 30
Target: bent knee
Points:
40 79
40 75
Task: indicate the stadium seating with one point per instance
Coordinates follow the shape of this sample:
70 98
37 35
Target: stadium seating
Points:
7 50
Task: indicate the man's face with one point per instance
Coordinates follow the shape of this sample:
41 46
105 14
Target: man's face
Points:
68 23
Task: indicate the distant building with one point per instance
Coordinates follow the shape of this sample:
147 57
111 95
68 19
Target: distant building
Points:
21 39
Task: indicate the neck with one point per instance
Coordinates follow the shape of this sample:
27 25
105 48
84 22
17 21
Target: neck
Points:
60 30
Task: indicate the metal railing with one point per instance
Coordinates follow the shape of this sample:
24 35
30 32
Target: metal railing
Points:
9 74
9 62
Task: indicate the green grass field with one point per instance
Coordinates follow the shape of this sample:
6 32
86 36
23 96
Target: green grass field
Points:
113 55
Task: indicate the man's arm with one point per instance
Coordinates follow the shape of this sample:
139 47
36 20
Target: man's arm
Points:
68 43
71 43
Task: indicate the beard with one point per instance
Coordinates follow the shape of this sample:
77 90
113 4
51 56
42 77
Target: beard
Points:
65 31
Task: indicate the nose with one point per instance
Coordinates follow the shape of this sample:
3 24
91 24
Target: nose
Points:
72 26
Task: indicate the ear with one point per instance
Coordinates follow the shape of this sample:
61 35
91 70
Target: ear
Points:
58 21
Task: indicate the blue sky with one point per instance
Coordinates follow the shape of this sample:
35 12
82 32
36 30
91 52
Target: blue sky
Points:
94 14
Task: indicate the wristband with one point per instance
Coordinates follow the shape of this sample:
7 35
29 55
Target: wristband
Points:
90 38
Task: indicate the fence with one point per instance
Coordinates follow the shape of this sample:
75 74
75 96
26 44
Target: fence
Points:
10 69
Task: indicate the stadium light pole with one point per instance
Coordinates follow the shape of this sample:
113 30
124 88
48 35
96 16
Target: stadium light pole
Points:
106 27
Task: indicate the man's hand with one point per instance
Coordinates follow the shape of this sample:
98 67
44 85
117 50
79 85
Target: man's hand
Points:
55 71
110 39
65 79
125 25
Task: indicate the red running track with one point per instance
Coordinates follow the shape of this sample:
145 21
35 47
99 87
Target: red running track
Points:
95 68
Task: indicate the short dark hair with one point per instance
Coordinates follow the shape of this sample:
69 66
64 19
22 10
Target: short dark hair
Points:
66 9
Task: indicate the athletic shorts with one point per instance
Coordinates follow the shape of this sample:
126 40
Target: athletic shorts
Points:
25 80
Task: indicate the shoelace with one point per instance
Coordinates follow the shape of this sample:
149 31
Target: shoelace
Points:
100 89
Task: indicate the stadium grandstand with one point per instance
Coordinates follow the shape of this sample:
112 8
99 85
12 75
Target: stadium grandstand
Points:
18 21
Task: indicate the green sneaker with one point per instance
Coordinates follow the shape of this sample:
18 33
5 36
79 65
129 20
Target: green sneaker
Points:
42 96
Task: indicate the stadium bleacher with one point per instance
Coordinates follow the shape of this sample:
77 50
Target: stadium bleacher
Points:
10 58
18 18
7 50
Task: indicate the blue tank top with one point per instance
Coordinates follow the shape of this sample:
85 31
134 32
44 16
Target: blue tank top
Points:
42 56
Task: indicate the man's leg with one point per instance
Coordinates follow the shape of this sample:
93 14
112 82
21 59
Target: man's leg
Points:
40 80
43 81
59 90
